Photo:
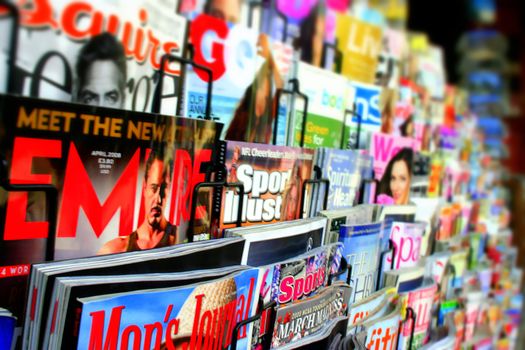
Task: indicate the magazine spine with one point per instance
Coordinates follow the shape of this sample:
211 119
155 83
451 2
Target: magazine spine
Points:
220 159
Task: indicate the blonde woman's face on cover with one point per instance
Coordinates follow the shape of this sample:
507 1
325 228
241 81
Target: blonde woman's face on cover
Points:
400 182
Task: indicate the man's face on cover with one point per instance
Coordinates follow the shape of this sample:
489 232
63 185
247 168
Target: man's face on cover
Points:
102 85
156 191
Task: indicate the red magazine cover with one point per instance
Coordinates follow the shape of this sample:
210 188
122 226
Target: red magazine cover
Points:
124 182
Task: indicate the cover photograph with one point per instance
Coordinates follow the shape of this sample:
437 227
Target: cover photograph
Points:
197 316
272 176
97 52
62 328
393 166
124 182
246 68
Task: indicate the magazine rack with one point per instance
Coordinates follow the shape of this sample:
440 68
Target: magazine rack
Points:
268 6
317 180
391 249
51 194
157 96
338 57
292 92
219 183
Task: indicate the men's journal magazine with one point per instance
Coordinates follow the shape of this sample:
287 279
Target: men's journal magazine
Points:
200 316
97 52
272 176
47 302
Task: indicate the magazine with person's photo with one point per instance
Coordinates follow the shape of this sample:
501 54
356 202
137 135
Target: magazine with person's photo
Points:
300 277
308 26
123 182
297 278
184 257
180 317
395 49
296 321
98 53
245 77
269 244
361 44
393 164
272 176
361 244
230 11
327 101
61 331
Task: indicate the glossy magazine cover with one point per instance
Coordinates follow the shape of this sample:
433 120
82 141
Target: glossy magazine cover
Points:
118 174
381 334
406 238
342 169
366 116
393 164
307 25
272 178
98 53
300 320
421 301
361 244
199 316
245 76
326 107
361 44
300 278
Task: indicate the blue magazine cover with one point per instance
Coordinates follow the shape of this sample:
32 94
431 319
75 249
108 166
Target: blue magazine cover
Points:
361 250
7 329
199 316
340 167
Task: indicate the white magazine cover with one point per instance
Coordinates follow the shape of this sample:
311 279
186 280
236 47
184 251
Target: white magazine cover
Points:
271 243
406 238
98 52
